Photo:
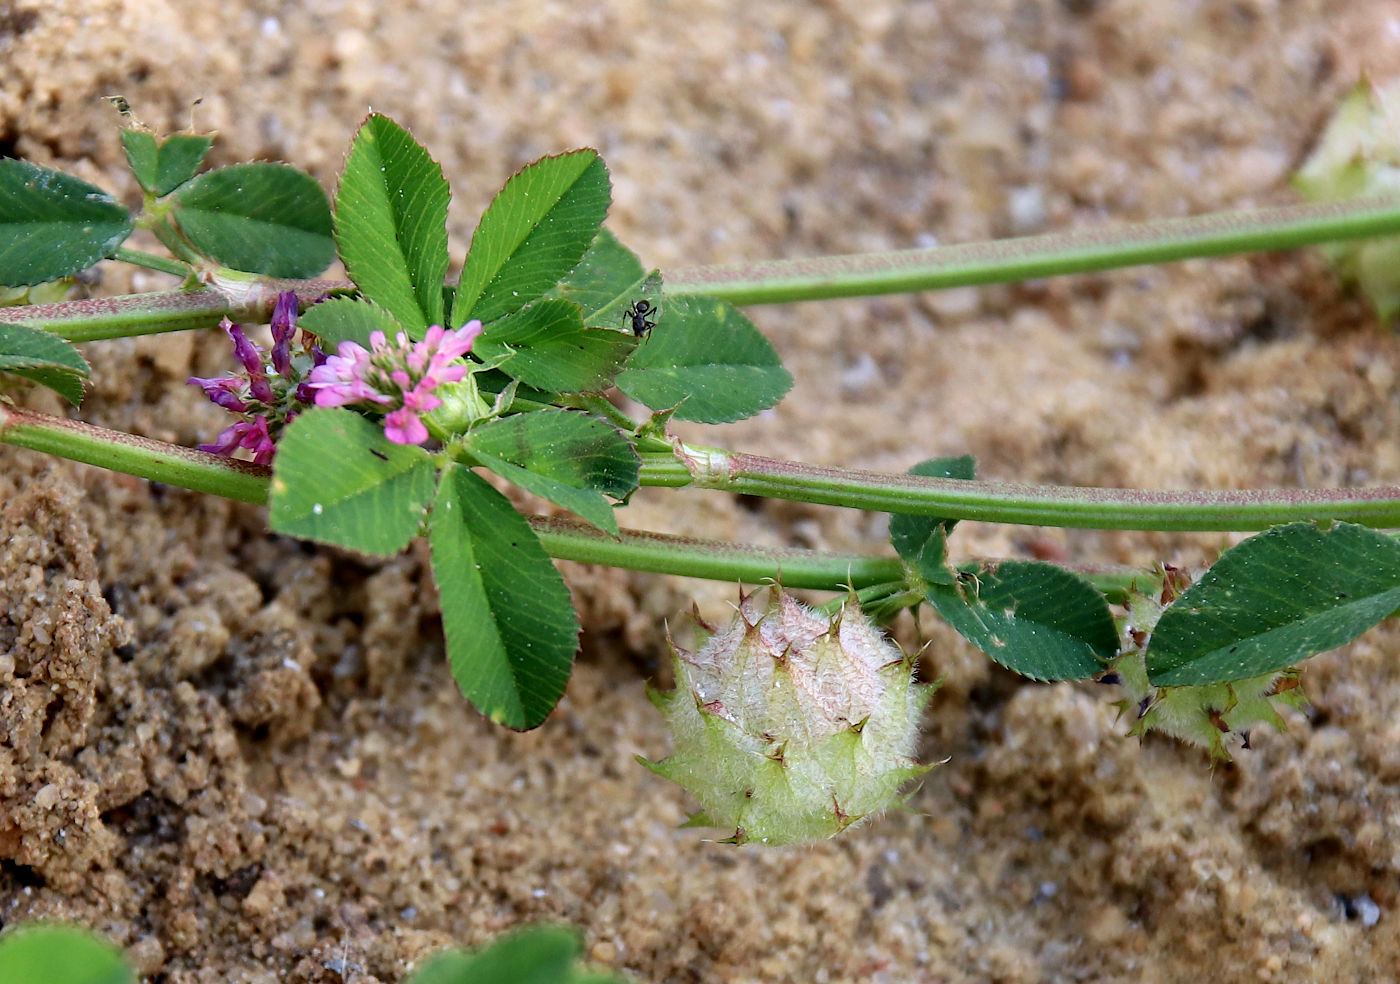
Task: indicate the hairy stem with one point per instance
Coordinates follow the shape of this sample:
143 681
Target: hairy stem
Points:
96 318
1010 502
809 279
714 560
132 455
1007 260
563 539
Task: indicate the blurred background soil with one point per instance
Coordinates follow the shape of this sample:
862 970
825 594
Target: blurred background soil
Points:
243 758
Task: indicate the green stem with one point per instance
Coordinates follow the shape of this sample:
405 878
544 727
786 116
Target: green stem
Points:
159 222
96 318
563 539
714 560
815 278
131 455
599 406
876 599
1002 261
713 468
151 261
566 540
1037 505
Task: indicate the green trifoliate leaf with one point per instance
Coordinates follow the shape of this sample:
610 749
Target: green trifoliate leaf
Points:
391 223
571 447
1274 600
594 977
608 280
337 479
66 384
547 346
533 233
707 360
923 540
570 459
44 358
54 954
142 155
1215 716
347 319
607 271
542 955
1037 619
180 157
510 624
447 967
53 224
260 218
161 167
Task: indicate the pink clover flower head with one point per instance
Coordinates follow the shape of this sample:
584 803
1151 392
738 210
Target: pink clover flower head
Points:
268 390
405 426
304 393
399 375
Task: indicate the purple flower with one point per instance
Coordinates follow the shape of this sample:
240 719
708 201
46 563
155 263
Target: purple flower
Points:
270 389
284 324
251 434
267 396
222 391
398 375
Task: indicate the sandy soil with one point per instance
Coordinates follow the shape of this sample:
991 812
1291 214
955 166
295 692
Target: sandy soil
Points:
223 750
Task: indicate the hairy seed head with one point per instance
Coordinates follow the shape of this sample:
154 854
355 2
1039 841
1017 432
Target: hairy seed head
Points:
791 725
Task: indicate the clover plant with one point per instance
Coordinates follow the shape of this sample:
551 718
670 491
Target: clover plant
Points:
393 405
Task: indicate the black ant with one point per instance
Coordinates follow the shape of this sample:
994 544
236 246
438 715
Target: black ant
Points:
637 316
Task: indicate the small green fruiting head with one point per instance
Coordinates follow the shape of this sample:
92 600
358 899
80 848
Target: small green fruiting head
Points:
1211 716
791 725
1357 155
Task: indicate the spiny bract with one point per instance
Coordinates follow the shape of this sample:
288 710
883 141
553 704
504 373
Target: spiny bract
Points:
1208 716
791 725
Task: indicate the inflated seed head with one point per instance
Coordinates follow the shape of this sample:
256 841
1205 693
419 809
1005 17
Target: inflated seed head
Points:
790 725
